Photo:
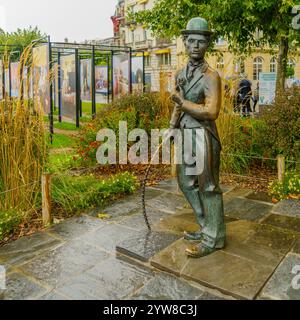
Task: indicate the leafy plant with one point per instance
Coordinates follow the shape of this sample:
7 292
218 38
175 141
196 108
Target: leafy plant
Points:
280 132
73 194
9 220
144 111
290 188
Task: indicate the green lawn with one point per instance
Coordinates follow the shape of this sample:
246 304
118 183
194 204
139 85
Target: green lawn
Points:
62 141
87 107
65 126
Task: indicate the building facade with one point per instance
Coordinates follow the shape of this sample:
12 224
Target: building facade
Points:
160 53
228 65
163 57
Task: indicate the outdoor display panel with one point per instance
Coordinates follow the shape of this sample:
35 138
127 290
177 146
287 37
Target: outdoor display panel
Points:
137 74
15 81
1 81
86 80
25 83
101 83
121 75
55 86
41 79
7 82
148 82
267 88
68 87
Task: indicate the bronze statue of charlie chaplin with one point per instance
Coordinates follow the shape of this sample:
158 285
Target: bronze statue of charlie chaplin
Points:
198 104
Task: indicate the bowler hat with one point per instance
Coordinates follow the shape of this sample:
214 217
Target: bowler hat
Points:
197 26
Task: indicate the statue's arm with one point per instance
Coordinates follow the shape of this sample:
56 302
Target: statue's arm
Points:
174 123
213 100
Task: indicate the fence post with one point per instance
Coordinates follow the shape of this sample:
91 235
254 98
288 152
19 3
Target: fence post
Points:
173 165
281 168
46 199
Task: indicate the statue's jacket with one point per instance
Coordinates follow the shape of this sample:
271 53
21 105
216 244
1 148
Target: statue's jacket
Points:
201 108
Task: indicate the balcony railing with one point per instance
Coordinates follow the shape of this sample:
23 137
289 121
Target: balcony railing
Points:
144 44
162 42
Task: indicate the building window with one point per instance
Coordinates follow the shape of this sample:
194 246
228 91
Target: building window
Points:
137 38
290 70
164 59
257 67
220 42
147 61
220 63
273 64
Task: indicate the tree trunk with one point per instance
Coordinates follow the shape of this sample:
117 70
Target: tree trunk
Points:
282 65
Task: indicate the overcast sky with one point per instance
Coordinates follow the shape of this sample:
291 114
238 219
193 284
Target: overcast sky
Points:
76 20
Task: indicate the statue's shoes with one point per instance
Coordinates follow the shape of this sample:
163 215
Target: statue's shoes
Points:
193 236
199 251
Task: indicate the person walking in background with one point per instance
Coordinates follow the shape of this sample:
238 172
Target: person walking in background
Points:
245 96
255 97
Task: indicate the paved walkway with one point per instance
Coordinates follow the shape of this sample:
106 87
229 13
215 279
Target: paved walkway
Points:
77 259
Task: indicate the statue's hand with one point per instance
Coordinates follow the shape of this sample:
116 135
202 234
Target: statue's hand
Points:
176 97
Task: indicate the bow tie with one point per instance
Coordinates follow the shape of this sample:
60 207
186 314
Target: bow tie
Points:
192 67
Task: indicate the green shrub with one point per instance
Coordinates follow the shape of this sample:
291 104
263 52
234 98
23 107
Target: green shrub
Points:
77 193
9 220
280 133
290 187
144 111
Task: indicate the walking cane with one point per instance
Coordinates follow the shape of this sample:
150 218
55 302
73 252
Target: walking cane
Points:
148 172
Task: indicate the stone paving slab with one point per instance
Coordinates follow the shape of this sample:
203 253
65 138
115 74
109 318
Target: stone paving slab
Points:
145 245
176 225
120 208
285 282
26 248
284 222
230 274
238 192
53 296
261 235
136 219
75 227
129 204
109 236
296 248
288 208
172 259
260 196
168 203
167 287
245 209
19 287
68 260
252 254
111 280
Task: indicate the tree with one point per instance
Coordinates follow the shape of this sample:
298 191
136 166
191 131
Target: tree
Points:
19 39
235 20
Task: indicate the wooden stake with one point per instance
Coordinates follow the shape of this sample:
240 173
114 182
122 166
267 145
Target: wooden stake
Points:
281 168
173 165
46 199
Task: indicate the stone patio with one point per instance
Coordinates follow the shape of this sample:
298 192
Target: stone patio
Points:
85 258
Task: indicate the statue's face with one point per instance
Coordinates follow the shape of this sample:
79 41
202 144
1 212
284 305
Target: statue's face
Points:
196 46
